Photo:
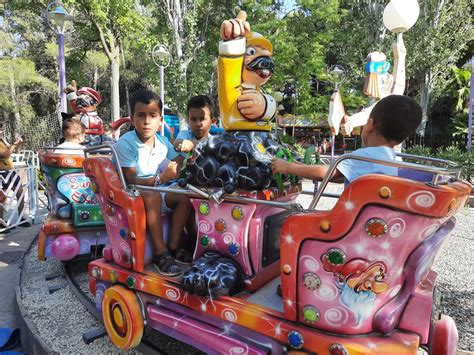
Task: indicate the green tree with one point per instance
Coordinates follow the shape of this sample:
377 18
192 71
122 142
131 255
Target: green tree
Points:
437 41
109 22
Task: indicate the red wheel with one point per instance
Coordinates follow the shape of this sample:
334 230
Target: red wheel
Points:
444 339
122 317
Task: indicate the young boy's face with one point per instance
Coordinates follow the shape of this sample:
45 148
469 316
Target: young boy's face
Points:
200 121
147 120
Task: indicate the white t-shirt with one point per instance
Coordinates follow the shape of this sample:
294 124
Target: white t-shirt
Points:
73 148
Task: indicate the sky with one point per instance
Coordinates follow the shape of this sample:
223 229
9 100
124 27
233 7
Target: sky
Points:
288 5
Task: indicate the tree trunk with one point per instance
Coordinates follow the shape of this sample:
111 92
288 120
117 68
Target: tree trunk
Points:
114 84
96 77
16 111
127 93
425 92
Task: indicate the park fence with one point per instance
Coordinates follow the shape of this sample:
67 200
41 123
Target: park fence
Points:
438 141
20 200
45 130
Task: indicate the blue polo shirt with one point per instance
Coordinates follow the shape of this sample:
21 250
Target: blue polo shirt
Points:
133 153
352 169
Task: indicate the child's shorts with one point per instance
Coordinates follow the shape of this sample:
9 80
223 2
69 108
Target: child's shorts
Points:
164 208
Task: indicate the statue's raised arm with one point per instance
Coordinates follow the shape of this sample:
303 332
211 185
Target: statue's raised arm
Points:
379 83
244 65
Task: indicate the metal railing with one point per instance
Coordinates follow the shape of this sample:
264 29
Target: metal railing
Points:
452 169
213 195
217 195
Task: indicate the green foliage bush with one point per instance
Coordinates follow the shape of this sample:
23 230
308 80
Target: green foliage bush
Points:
419 150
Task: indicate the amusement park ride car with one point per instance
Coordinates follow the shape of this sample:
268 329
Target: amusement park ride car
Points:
74 226
355 279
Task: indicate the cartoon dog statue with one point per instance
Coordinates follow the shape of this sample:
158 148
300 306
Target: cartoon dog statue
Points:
84 103
244 65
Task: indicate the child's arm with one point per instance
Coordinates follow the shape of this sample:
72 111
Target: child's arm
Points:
132 178
312 172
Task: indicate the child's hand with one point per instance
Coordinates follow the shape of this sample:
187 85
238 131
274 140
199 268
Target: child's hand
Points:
185 146
170 173
280 166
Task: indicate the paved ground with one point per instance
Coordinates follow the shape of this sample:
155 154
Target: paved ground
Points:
12 246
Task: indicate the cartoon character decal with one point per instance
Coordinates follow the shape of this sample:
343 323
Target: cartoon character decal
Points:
359 281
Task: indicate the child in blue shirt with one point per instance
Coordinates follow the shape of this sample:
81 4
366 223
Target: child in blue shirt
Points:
149 159
200 120
391 121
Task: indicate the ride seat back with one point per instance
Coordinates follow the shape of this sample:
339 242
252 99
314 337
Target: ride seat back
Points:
123 212
351 270
68 189
415 175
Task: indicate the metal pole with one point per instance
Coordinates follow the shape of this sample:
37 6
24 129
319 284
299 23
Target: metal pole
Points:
162 97
62 71
333 143
469 122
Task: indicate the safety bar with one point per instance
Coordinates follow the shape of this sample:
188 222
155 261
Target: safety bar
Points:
452 169
191 191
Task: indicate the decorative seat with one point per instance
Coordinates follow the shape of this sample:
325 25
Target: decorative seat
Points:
74 225
353 270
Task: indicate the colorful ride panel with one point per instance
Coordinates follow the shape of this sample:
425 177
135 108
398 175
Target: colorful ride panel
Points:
74 226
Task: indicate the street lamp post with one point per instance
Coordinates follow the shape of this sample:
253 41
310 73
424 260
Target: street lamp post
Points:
57 16
162 58
470 65
336 75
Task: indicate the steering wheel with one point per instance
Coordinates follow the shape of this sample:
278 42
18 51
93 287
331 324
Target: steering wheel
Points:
278 176
308 155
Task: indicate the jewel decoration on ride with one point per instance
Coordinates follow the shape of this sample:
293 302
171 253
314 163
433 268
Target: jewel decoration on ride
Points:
295 339
204 208
337 349
376 227
241 156
96 272
131 281
334 256
84 215
220 225
123 232
213 275
311 281
237 213
234 249
113 276
94 187
204 240
310 314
